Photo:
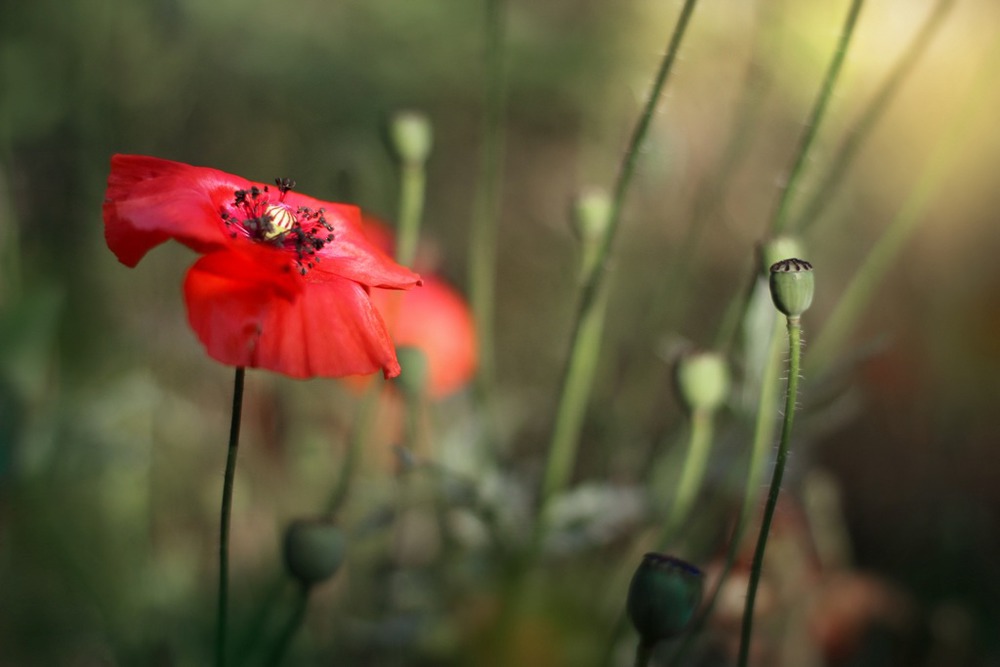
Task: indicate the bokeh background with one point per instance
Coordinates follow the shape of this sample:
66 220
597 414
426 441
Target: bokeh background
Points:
112 420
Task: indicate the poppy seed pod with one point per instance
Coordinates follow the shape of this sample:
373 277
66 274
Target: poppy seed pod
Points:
792 286
411 136
664 594
703 380
314 550
591 214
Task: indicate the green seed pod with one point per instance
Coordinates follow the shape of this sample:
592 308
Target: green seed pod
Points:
314 550
591 214
664 594
792 286
703 380
411 135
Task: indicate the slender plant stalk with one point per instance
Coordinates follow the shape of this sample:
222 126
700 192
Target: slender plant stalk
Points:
413 181
872 113
942 160
643 653
794 358
692 474
585 337
290 628
577 383
486 213
763 432
781 215
363 421
227 507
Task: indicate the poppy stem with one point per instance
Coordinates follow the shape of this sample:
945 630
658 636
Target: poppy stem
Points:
585 339
643 653
290 628
794 363
411 207
781 214
868 277
763 433
854 137
486 207
227 506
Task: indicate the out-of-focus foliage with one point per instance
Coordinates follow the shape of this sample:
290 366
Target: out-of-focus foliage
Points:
113 423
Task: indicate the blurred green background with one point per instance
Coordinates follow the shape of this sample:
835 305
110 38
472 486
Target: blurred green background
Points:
112 421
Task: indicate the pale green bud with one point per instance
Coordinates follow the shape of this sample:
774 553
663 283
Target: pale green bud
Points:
703 380
591 214
411 135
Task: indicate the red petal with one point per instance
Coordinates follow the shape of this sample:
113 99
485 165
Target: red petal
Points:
436 320
248 317
150 200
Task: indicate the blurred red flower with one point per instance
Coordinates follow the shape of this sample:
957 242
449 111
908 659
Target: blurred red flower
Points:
435 319
285 280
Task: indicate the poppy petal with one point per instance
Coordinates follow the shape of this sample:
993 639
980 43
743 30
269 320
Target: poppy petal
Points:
325 328
436 320
150 200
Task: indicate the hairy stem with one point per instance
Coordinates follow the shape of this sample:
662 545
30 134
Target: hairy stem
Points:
794 356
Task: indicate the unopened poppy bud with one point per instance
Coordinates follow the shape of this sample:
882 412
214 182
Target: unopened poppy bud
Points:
664 594
415 371
411 135
314 550
591 214
792 286
703 380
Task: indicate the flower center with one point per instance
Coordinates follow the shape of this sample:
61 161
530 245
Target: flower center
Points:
255 215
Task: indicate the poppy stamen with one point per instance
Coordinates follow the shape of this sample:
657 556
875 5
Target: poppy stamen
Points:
303 231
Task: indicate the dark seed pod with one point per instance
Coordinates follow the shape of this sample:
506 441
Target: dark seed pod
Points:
314 550
664 594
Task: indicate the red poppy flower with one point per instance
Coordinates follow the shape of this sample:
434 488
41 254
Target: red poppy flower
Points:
435 319
285 280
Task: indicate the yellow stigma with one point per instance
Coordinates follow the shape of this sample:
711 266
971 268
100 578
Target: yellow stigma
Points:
282 221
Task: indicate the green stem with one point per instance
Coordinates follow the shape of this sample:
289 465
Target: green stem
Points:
643 653
577 382
357 439
411 207
627 169
872 114
290 628
227 507
692 474
869 276
780 217
794 356
585 336
763 432
486 212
